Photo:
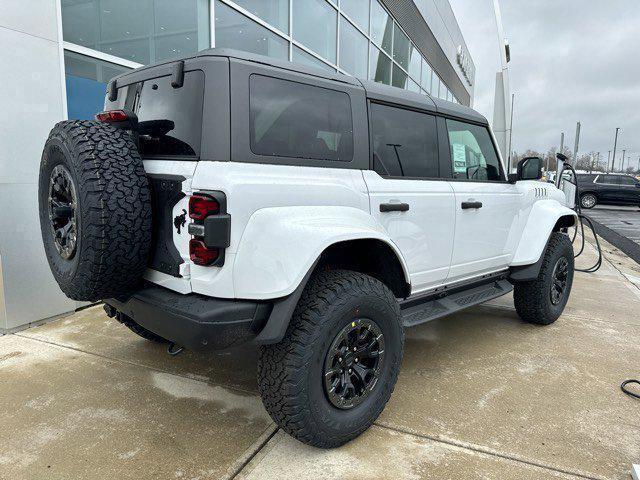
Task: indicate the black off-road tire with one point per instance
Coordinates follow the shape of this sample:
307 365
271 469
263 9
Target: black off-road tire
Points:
113 210
533 298
290 373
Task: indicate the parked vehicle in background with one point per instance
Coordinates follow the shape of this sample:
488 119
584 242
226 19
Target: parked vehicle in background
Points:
608 189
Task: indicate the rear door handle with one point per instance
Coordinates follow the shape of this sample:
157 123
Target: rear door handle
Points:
394 207
467 205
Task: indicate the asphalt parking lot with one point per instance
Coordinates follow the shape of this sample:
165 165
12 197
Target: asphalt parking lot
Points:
619 226
480 395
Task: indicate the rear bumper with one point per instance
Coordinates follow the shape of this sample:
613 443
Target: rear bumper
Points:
194 321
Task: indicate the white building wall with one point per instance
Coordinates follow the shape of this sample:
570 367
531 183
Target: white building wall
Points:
32 100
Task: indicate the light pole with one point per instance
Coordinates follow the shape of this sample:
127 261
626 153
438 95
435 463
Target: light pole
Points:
606 169
615 144
622 167
575 147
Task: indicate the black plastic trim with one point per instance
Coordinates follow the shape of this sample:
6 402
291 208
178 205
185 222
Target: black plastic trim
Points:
217 231
112 90
194 321
177 75
166 193
447 290
276 325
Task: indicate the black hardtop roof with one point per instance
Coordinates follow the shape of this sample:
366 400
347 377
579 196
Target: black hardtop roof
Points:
374 90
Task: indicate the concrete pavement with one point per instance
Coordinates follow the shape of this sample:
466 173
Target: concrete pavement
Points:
480 395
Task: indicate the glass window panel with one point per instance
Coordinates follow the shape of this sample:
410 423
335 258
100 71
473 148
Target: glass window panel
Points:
401 47
274 12
358 11
425 81
435 85
353 50
301 56
381 26
234 30
415 64
314 25
405 143
160 104
86 81
290 119
379 67
169 28
472 152
399 77
413 86
628 180
443 90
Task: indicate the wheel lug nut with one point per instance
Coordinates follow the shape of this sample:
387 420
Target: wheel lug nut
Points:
339 359
355 359
354 349
349 370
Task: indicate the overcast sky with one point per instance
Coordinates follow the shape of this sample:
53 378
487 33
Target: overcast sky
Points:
571 60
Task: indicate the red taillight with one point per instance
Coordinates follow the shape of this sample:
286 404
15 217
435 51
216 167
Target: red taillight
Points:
200 254
201 206
111 116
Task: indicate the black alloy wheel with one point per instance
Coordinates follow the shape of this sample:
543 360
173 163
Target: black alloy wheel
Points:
62 211
559 280
353 362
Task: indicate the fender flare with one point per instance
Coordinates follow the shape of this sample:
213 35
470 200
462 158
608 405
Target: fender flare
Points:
543 218
314 228
273 266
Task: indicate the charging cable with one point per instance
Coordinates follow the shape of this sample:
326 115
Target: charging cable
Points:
581 221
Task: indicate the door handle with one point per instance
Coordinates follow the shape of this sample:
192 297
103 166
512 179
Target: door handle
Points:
394 207
467 205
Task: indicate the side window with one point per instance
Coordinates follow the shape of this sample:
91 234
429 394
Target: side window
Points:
472 152
291 119
614 179
627 181
405 143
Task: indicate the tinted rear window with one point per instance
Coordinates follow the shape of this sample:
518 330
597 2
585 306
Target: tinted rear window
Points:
169 119
291 119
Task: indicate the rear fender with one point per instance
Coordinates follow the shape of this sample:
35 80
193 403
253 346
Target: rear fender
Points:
280 245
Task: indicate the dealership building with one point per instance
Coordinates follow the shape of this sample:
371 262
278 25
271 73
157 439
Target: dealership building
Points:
58 55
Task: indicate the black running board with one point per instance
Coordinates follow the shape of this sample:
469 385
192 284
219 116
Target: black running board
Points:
432 308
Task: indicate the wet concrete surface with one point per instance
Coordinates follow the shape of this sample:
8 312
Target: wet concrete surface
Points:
480 395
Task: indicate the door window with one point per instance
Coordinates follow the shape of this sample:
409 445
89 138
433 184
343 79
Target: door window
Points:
290 119
609 179
473 155
405 143
627 181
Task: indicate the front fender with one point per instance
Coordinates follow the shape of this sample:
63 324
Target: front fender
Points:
543 216
279 245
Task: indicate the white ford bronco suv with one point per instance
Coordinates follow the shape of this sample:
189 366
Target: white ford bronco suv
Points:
229 197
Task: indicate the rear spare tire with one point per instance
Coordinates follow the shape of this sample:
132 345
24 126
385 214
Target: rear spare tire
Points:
95 210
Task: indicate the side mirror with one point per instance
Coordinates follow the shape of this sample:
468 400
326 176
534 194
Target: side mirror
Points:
529 168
